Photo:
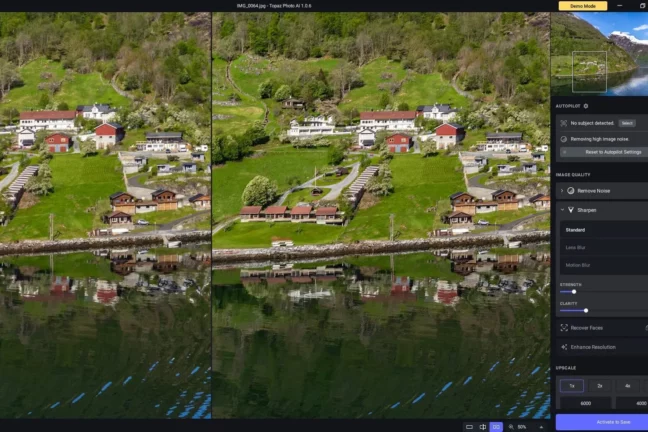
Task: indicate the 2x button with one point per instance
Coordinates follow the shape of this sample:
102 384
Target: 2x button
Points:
599 385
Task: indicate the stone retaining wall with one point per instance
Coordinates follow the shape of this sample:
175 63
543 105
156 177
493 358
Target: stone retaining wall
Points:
229 256
81 244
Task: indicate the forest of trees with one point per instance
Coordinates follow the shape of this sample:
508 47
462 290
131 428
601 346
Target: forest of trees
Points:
503 54
157 57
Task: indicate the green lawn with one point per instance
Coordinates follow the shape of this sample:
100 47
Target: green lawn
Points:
82 89
304 195
419 183
330 180
260 234
368 96
162 217
279 164
430 89
79 183
503 217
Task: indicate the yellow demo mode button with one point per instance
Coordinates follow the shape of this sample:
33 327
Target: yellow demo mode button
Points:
582 6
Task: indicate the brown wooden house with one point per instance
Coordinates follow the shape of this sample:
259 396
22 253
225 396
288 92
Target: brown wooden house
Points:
505 199
292 103
119 218
300 213
122 201
458 217
165 199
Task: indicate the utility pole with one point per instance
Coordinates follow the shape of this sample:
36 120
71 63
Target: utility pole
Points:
391 227
51 217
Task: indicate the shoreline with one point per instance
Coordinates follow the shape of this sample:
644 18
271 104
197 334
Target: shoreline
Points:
35 247
224 257
595 75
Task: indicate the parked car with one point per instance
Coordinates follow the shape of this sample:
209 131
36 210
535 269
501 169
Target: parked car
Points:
523 149
142 222
508 151
167 151
142 252
482 252
483 222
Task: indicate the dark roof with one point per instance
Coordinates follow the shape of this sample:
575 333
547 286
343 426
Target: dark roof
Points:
28 142
535 198
459 213
537 154
504 135
160 191
119 213
197 197
104 108
529 164
116 194
188 164
458 194
501 191
197 154
444 108
163 135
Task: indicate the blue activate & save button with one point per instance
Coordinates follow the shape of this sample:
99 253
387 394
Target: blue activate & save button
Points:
602 422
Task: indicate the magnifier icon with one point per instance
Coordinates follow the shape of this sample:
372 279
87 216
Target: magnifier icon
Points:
510 427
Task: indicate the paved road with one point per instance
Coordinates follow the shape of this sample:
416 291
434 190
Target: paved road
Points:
11 176
137 189
169 225
337 188
352 175
474 181
219 226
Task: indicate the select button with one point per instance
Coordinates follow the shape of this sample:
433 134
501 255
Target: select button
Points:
627 123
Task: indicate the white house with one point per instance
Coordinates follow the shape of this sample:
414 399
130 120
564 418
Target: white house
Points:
442 112
313 126
48 120
26 138
388 120
366 138
162 141
502 141
101 112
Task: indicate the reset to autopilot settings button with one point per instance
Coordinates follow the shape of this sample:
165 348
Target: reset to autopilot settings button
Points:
602 422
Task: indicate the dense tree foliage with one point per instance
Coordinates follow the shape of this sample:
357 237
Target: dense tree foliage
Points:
260 191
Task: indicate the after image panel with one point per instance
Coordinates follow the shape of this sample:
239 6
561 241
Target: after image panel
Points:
104 139
342 128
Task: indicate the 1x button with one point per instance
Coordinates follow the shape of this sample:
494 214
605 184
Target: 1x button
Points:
572 386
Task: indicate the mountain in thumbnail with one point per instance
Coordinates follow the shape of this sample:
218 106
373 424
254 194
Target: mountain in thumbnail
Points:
637 48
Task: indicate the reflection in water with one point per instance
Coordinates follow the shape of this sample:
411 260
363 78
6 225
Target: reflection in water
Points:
113 334
460 335
632 83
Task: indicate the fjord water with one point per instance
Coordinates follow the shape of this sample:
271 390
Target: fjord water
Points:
402 336
631 83
104 336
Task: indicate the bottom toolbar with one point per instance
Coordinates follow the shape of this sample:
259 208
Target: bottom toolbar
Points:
506 426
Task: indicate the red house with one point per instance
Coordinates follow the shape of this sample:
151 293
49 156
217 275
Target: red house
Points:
109 134
58 142
449 134
399 143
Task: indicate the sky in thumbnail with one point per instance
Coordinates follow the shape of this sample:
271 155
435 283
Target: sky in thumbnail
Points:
632 23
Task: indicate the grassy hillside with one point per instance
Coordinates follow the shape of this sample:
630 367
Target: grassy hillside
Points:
279 165
570 33
76 89
247 109
79 183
